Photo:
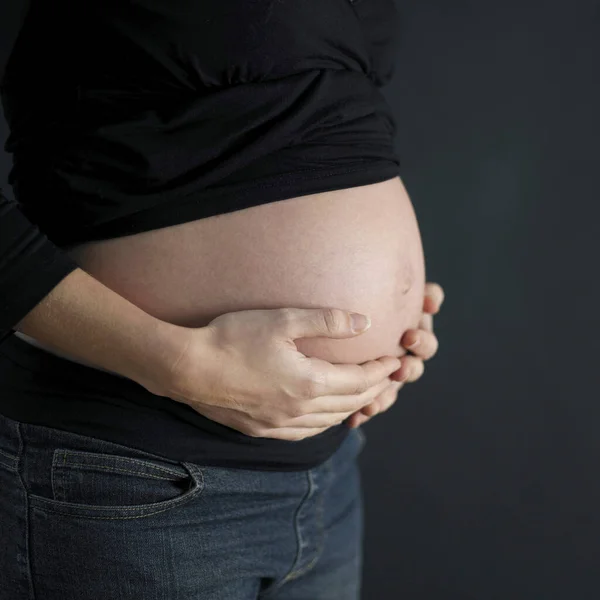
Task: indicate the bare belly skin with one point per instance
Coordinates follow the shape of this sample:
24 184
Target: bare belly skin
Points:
357 249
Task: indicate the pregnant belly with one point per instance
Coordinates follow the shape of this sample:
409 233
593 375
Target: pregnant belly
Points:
357 249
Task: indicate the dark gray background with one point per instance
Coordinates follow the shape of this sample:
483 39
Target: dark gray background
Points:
482 482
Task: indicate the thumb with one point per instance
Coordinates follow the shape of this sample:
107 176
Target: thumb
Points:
326 322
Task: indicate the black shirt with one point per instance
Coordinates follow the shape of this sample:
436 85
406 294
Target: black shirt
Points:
127 116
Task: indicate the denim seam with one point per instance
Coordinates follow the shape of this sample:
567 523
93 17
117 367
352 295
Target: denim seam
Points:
26 495
9 466
320 532
58 512
118 469
10 456
11 461
306 496
112 457
53 484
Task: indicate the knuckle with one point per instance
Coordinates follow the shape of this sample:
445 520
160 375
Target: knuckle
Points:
334 318
363 384
304 392
294 410
285 317
309 390
278 420
314 384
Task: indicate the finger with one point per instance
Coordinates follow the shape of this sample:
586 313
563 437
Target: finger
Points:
323 412
426 322
388 398
412 369
434 297
239 421
421 343
319 420
357 420
328 419
344 404
382 403
370 410
349 379
291 434
310 422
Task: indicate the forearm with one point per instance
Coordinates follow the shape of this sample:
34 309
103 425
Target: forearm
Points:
83 318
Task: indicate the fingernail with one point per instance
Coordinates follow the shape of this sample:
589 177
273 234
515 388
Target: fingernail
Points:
414 344
360 322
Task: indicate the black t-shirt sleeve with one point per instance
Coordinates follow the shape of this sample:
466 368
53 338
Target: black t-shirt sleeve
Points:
30 265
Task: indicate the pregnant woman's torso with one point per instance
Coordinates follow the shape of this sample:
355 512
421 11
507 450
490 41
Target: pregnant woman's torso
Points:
357 249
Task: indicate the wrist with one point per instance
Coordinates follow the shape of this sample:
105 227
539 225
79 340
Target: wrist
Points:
164 370
162 342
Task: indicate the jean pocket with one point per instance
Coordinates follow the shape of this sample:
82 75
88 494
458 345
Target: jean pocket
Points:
98 485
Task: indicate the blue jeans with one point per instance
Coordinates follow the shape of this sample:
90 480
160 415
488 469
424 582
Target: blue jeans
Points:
86 519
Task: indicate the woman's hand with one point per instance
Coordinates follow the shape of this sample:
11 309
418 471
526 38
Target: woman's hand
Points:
243 370
422 343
